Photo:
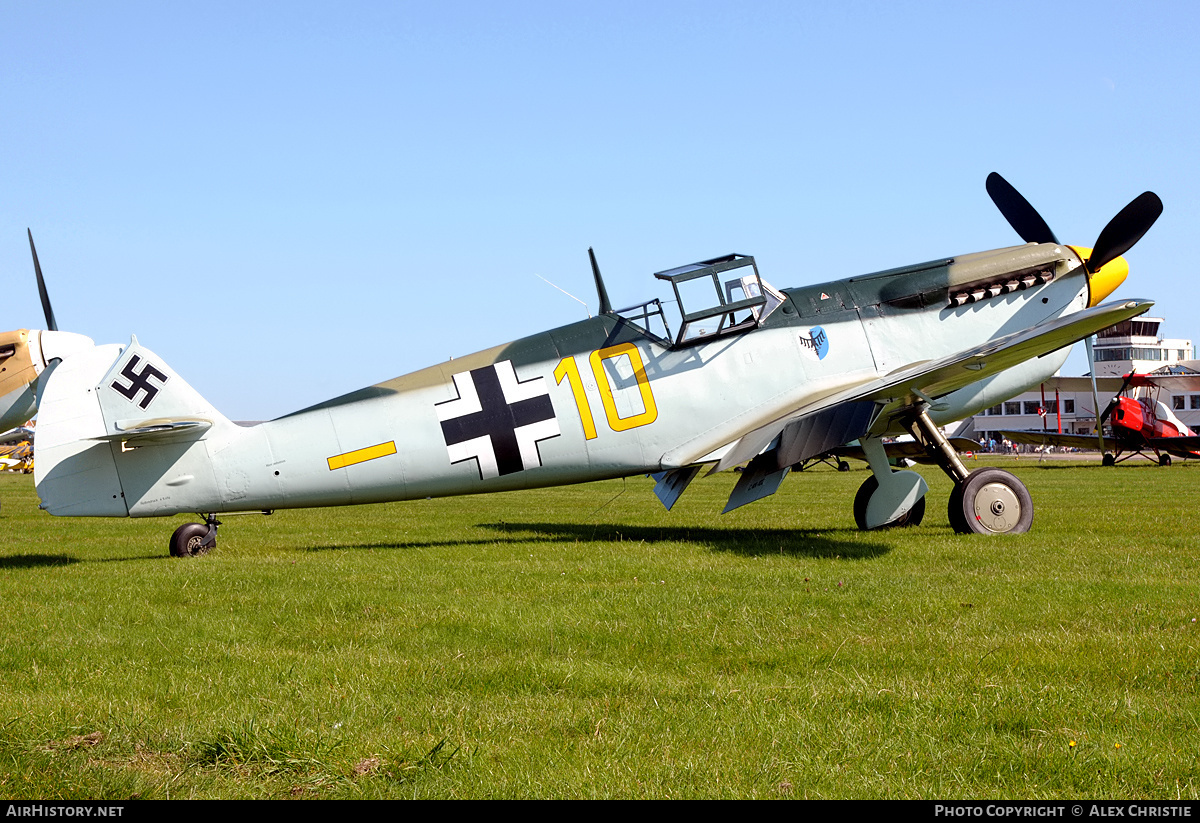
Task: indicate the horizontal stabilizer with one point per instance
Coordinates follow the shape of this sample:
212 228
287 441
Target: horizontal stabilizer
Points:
158 430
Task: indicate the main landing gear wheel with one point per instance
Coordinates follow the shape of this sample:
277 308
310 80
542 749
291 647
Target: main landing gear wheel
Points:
991 501
843 466
1108 459
1164 460
190 540
913 517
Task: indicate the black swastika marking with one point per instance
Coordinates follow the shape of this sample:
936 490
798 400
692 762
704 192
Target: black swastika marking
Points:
139 382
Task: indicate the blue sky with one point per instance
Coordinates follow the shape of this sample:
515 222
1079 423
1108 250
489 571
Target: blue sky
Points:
288 201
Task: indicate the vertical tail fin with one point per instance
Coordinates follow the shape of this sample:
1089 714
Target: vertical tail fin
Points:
119 433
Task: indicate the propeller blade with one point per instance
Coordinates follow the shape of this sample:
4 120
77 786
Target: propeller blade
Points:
37 269
1125 229
1018 212
1108 410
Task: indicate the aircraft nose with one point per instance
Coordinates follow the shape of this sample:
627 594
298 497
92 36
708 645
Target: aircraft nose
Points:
1105 280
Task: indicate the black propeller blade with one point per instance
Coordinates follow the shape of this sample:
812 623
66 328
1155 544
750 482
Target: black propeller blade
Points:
1108 410
1018 212
1118 237
51 325
1115 401
1125 229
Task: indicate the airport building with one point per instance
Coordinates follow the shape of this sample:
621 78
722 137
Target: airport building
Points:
1132 345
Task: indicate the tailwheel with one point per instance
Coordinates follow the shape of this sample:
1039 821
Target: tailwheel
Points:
912 517
1164 460
195 539
991 501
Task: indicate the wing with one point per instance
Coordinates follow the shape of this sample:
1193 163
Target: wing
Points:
1107 385
17 435
1181 446
1033 437
900 390
1173 382
908 449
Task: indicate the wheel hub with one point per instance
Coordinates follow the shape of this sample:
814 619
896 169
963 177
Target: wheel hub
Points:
997 507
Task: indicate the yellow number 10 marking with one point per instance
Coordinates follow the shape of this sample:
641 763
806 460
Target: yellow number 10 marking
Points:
567 368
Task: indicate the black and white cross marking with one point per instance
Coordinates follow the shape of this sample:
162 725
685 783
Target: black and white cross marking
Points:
497 420
139 382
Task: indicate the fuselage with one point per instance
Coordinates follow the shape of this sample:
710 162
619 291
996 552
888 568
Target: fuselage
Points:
1138 421
597 399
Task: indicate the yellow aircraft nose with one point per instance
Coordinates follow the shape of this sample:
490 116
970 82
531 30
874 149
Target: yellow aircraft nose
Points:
1105 281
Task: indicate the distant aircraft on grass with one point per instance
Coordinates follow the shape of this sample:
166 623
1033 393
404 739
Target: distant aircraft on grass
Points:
1139 423
26 355
16 449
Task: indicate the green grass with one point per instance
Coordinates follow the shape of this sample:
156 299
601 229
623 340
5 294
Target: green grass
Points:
582 642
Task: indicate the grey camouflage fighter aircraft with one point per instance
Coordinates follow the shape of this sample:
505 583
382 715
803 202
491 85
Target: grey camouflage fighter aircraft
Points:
751 376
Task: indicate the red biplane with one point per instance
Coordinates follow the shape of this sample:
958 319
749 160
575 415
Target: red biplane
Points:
1138 421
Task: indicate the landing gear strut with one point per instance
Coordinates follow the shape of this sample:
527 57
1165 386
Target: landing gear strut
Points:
195 539
987 501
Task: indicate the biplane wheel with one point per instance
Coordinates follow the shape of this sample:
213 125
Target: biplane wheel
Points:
913 517
843 466
1108 459
991 501
188 540
1164 460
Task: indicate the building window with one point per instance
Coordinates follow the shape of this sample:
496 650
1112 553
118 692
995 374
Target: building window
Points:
1177 402
1196 401
1068 406
1031 407
1012 407
995 409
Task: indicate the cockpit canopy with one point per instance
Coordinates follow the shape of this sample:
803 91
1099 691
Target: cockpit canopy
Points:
717 297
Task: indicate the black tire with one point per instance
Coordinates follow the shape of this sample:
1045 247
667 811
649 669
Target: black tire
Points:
954 511
913 517
1164 460
186 540
1108 459
992 501
843 466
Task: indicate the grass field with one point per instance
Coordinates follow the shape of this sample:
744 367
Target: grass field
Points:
582 642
